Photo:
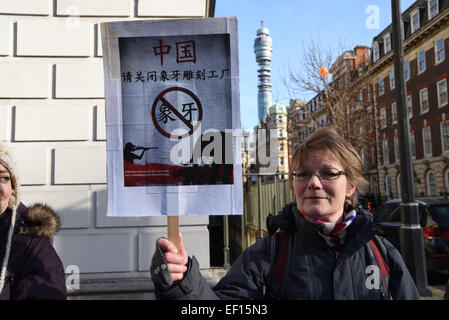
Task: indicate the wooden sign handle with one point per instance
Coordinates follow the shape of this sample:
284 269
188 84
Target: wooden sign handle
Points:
173 230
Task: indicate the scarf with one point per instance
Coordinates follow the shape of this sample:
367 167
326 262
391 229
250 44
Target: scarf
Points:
335 232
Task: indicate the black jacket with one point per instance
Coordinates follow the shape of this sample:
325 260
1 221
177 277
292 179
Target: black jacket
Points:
34 268
317 270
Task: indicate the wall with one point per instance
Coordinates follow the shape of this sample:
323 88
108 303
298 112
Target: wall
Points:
52 114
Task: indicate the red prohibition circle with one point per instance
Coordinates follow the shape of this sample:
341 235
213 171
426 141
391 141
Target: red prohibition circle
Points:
161 96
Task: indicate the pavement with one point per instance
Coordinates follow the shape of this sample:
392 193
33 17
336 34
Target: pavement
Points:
437 293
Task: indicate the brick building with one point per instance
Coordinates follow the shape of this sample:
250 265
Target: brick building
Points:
350 77
369 110
52 115
426 66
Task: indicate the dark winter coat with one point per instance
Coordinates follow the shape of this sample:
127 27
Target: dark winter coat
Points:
318 270
34 268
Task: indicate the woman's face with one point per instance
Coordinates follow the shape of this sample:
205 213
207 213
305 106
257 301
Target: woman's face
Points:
5 189
322 200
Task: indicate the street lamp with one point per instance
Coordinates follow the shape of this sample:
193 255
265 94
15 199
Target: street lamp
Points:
411 234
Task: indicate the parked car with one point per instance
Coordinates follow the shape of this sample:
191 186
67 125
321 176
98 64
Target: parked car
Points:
434 219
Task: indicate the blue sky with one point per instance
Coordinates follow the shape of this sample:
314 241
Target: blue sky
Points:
292 23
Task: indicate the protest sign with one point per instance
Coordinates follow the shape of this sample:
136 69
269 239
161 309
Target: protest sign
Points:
172 117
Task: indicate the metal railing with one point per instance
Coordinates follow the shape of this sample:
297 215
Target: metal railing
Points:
265 193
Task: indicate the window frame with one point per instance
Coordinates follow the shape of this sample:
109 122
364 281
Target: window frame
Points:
421 100
383 118
437 61
394 115
439 93
392 80
428 185
376 49
412 14
418 61
424 131
407 72
385 152
381 85
388 189
385 37
446 179
429 9
407 99
396 148
412 144
443 150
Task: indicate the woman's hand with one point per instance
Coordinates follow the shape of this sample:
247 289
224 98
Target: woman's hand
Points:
176 261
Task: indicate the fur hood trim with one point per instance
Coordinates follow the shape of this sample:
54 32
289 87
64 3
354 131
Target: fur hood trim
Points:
39 220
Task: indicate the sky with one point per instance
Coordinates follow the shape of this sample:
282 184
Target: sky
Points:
292 23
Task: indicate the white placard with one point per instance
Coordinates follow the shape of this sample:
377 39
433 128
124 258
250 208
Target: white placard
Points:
172 117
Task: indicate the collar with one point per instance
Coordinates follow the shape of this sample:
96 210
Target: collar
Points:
357 232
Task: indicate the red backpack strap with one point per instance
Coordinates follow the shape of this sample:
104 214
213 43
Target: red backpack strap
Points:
383 266
280 264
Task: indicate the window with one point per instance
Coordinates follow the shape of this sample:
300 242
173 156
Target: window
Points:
281 147
387 43
360 129
394 113
444 126
370 118
385 151
282 161
409 106
279 118
402 30
423 100
361 95
396 148
433 8
376 54
381 86
427 141
407 70
392 79
398 183
388 192
383 118
421 61
415 20
431 186
446 175
412 143
442 93
439 50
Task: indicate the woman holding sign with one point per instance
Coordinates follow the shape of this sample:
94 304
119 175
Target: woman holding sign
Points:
30 267
321 247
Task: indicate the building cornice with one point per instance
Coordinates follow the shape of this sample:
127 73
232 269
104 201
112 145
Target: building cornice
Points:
411 41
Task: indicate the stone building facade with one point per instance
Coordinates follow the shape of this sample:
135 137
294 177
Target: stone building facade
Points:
426 65
277 120
52 115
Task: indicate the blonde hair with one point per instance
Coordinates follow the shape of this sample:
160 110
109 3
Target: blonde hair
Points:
330 141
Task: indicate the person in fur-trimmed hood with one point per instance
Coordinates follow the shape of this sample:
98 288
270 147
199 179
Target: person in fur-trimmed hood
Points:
330 250
30 267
